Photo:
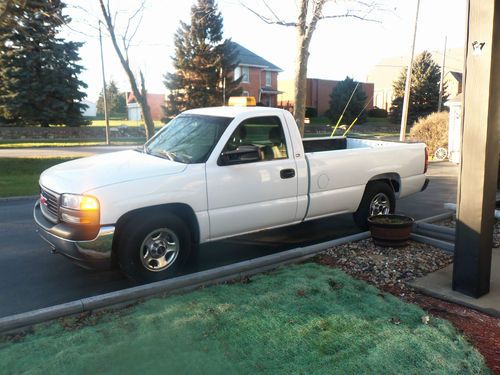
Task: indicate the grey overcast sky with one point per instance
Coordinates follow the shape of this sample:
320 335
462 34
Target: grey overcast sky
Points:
339 47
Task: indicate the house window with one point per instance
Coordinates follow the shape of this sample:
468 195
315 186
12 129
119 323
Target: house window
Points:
245 74
245 93
242 71
268 79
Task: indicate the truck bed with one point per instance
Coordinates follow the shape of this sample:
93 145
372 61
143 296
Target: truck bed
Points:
319 144
340 168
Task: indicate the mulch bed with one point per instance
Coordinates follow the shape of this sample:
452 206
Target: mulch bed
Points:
390 268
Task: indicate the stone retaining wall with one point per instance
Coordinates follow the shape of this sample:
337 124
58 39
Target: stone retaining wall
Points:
63 132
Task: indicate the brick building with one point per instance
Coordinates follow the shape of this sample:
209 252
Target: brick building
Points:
318 93
259 76
155 101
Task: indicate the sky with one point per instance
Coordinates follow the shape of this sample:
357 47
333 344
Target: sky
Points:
340 46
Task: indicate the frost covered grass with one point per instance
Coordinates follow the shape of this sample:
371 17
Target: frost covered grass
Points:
299 319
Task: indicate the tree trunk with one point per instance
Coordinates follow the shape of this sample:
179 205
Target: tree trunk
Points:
300 83
140 96
149 125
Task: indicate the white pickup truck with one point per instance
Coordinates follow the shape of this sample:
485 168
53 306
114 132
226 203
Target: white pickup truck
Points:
213 173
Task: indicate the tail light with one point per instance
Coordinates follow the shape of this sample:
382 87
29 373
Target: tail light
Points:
426 160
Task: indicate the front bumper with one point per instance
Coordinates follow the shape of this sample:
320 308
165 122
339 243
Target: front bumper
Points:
93 254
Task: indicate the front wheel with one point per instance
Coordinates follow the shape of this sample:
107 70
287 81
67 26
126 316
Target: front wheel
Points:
154 248
378 199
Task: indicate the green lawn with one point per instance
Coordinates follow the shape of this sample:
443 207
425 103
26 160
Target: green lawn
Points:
306 319
19 176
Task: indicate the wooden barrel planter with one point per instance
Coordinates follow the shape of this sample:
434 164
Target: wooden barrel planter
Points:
390 230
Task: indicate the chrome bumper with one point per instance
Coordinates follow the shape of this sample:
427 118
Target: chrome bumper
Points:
93 254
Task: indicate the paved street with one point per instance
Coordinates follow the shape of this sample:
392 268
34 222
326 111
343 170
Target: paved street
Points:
31 277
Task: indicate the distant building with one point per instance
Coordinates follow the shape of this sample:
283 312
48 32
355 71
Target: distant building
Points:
318 94
156 103
259 76
389 69
91 110
453 83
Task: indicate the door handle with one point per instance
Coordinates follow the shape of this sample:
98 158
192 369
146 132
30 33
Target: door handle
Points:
287 173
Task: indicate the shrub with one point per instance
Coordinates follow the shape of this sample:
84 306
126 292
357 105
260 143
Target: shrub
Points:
377 113
432 130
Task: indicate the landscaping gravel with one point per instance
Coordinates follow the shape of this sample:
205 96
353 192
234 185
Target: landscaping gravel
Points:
385 266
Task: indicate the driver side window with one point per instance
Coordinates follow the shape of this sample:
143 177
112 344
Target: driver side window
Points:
265 133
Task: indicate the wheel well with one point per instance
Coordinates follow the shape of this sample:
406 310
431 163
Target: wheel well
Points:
392 179
181 210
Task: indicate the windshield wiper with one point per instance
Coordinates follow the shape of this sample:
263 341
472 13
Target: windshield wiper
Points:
166 155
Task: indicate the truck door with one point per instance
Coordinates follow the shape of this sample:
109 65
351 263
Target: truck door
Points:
252 183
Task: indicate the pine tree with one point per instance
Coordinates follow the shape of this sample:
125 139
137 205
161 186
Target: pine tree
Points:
340 97
424 89
202 59
117 104
39 82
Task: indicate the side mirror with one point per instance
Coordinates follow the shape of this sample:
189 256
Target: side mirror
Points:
243 154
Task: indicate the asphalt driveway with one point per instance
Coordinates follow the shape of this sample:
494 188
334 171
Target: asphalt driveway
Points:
31 277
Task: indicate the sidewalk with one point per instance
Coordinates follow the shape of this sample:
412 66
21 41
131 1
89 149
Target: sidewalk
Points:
438 284
60 152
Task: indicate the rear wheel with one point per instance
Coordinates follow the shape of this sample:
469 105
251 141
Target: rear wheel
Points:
153 249
378 199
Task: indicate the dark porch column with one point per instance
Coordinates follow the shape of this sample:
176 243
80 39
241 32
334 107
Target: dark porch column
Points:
478 173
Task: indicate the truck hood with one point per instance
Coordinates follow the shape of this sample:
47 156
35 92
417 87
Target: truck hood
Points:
81 175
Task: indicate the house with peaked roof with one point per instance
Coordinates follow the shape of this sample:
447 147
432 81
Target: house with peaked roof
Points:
453 83
259 77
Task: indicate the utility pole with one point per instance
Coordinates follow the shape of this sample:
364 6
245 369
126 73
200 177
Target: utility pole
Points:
224 91
406 100
440 101
104 94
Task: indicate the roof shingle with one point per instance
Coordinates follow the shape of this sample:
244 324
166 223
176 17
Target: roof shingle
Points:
247 57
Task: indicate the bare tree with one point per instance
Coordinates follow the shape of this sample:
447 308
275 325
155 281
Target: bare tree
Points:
310 12
122 52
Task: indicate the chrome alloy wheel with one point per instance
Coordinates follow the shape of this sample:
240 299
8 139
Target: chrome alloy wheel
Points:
380 205
159 250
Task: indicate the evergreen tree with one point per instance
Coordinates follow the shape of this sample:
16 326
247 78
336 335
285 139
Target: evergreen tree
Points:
117 104
424 89
39 82
340 97
202 59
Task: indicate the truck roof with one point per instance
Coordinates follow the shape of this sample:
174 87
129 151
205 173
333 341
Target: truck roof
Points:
232 111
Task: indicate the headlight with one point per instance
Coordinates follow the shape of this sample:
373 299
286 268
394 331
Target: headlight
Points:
79 202
79 209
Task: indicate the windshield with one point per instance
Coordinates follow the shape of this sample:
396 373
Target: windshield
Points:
188 138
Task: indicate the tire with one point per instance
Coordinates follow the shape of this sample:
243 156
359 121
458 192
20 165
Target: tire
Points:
153 248
375 192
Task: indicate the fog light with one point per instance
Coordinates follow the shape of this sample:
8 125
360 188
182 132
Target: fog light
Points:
70 218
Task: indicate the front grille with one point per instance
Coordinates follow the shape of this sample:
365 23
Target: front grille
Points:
51 207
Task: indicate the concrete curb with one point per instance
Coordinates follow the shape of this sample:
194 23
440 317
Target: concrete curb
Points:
422 228
457 301
443 245
19 198
176 285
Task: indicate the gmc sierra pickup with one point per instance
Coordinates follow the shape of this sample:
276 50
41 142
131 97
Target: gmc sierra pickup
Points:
213 173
